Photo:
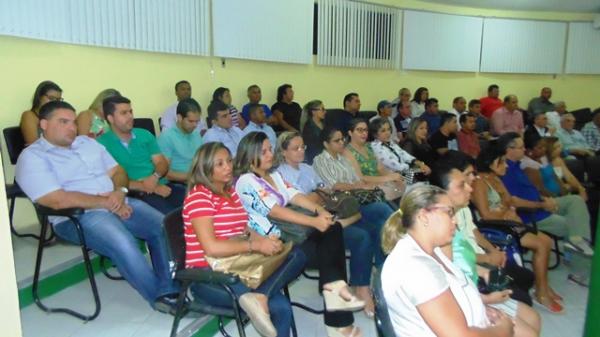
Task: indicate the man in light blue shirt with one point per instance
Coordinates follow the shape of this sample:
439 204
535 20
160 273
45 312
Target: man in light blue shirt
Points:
179 144
61 170
572 140
222 129
258 122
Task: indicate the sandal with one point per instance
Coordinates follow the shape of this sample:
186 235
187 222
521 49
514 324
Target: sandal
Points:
334 300
550 305
336 332
260 319
555 296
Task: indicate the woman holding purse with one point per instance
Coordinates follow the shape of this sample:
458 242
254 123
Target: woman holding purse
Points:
265 196
362 158
362 237
213 216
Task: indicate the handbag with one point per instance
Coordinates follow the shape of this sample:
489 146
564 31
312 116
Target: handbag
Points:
291 232
392 190
252 268
368 196
340 203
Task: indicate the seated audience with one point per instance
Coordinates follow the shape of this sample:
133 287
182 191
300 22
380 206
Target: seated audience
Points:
482 124
137 151
265 195
341 119
213 217
566 178
402 120
183 90
564 216
311 132
224 95
222 129
554 116
459 106
179 144
468 139
403 96
92 122
539 126
542 103
431 297
384 111
536 167
363 160
286 111
572 140
254 97
45 92
444 139
507 118
417 104
363 237
465 251
54 172
390 154
416 142
432 116
494 202
491 102
258 123
591 131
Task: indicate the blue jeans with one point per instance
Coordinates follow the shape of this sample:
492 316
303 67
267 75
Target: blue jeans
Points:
279 306
110 236
363 238
165 205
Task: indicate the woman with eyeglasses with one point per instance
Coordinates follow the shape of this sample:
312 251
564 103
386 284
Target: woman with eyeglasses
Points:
426 294
390 154
362 158
364 237
92 122
45 92
312 129
265 195
493 202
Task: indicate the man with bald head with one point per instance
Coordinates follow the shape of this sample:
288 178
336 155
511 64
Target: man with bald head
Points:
508 118
542 103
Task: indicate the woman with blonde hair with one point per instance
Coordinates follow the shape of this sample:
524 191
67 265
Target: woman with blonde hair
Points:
92 121
426 294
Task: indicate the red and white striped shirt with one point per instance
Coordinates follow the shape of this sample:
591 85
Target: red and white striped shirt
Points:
228 215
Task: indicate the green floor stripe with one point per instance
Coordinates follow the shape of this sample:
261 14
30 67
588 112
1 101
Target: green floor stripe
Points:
210 328
58 282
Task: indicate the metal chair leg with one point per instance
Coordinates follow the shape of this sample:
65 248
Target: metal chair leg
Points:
180 312
105 271
286 292
238 314
88 267
557 254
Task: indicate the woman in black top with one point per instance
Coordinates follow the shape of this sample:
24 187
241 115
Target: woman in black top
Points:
416 142
311 132
286 111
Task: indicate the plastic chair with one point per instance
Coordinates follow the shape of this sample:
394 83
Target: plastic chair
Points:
173 228
145 123
582 116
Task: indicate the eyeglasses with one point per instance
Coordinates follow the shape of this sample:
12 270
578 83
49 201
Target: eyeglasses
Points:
299 148
447 209
54 98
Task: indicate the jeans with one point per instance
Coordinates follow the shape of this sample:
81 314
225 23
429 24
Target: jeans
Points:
165 205
110 236
363 239
279 306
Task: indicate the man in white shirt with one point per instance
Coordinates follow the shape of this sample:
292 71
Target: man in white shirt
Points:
183 90
459 106
258 123
384 110
560 108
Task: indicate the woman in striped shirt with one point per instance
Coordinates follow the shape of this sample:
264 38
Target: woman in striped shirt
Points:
212 214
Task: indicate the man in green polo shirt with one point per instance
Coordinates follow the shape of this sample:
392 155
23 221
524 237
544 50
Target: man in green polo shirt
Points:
137 151
179 144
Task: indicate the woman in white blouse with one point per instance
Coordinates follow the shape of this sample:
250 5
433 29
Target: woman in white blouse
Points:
425 293
390 154
417 104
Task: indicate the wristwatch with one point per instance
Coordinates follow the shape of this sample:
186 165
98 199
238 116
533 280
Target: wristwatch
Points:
158 176
124 189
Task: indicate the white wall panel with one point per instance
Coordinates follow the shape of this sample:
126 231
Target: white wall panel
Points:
583 49
268 30
523 46
443 42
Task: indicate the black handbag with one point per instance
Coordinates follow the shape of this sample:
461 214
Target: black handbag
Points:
368 196
340 203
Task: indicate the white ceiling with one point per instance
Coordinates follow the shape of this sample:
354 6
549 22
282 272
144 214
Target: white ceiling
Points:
586 6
